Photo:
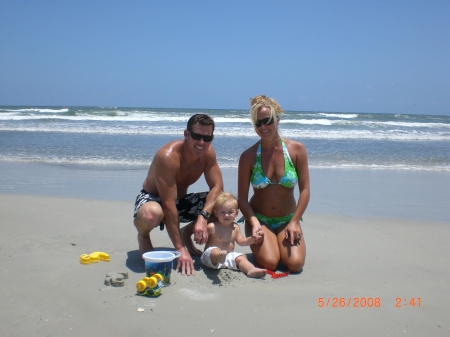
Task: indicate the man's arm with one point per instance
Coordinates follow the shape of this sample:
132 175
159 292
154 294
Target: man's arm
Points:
167 167
213 177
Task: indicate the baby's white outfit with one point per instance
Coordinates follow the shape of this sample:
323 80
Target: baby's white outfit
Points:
230 260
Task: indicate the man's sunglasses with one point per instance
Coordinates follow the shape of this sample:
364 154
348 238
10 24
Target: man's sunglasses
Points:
197 136
265 121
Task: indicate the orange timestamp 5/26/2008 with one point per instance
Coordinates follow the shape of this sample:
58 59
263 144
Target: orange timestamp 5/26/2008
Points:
350 302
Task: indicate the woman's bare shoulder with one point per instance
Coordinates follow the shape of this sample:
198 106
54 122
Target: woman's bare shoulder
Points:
250 152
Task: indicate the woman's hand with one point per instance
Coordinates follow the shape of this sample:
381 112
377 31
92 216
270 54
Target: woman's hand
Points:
257 234
293 232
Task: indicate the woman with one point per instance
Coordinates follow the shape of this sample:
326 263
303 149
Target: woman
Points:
273 166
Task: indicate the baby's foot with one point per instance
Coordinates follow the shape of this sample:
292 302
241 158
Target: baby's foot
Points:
221 256
256 272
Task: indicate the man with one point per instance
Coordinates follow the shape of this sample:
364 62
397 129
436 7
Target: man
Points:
164 198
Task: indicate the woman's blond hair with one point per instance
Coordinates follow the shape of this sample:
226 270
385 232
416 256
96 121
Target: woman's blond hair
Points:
259 101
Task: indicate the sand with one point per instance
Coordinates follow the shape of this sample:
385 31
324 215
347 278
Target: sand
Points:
368 262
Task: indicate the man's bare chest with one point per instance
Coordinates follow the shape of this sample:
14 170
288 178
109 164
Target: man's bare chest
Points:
188 175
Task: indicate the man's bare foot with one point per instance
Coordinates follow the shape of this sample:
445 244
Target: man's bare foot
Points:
257 272
221 256
145 245
187 241
194 251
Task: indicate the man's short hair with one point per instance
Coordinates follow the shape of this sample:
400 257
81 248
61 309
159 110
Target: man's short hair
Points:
201 119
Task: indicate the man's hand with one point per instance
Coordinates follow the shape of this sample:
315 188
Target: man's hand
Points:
185 263
200 231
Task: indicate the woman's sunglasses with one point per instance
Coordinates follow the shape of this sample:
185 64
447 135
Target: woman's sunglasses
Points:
265 121
197 136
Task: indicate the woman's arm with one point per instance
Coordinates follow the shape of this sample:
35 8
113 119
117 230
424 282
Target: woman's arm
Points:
246 162
293 230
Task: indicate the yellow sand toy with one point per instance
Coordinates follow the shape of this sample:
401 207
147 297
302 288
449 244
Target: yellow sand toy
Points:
94 257
150 286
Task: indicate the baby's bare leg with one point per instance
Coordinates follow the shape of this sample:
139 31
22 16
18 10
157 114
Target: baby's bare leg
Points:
248 268
218 255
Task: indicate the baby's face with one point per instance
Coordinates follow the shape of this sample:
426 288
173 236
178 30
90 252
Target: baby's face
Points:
226 213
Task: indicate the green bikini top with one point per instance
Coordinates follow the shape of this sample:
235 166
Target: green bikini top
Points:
259 179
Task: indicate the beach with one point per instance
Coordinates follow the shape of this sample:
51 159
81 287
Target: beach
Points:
377 260
375 228
346 101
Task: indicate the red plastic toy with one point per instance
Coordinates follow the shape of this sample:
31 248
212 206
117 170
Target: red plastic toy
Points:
277 275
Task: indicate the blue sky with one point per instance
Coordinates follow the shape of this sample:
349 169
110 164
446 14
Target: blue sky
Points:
343 56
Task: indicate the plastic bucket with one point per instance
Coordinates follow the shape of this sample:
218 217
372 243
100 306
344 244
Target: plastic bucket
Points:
160 262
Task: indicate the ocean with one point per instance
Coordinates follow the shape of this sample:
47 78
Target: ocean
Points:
360 164
127 138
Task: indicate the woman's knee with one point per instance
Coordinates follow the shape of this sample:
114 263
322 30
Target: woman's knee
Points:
268 262
293 257
294 266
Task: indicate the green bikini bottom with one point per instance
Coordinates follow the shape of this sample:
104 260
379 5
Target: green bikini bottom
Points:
274 222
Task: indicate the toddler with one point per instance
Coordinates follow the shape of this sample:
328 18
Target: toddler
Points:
222 235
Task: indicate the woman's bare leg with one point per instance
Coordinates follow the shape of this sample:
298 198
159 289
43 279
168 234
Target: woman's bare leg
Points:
292 256
266 254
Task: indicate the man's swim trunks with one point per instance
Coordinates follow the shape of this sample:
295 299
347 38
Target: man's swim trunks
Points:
188 206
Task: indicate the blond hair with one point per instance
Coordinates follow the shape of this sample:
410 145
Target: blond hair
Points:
259 101
225 197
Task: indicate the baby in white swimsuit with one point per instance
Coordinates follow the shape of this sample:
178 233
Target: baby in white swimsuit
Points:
222 235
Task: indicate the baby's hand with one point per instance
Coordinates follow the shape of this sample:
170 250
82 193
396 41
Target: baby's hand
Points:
260 237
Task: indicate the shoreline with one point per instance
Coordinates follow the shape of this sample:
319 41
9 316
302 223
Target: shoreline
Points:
415 195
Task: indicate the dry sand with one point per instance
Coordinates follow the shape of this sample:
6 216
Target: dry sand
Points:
46 291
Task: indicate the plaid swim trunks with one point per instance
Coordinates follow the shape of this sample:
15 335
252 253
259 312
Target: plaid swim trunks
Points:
188 206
